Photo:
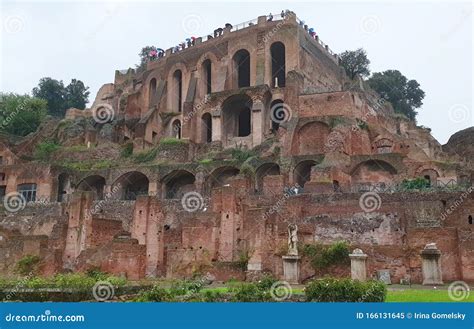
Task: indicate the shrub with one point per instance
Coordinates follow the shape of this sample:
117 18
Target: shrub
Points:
345 290
155 294
27 265
127 150
167 141
266 282
183 287
146 156
415 184
44 150
249 292
240 154
322 257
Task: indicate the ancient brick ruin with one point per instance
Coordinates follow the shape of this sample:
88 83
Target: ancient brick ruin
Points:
248 131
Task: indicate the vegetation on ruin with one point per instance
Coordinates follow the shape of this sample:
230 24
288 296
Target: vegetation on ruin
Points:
45 150
355 63
345 290
27 265
241 154
145 156
88 164
324 256
172 141
415 184
127 150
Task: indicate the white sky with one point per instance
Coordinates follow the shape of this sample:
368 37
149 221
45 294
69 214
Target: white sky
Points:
427 41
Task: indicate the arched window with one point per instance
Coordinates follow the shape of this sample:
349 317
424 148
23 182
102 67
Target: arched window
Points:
278 114
206 122
176 129
94 183
178 90
207 75
152 92
277 51
242 68
244 122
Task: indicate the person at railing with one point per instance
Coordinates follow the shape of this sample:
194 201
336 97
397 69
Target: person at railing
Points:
270 17
282 14
209 37
312 33
228 26
218 32
301 23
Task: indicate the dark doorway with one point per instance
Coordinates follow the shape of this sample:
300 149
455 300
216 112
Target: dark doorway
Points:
207 66
178 89
207 128
242 68
244 122
277 51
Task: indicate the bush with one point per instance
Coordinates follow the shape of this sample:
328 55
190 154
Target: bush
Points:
127 150
249 292
183 287
27 265
345 290
44 150
322 257
415 184
155 294
266 282
146 156
172 141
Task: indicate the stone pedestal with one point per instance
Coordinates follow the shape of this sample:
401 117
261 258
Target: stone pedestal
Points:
358 265
291 268
430 265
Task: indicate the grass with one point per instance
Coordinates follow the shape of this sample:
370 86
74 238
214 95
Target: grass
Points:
422 295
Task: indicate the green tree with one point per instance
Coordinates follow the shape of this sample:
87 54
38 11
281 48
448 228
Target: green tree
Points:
144 55
404 95
355 62
53 92
76 94
21 114
61 98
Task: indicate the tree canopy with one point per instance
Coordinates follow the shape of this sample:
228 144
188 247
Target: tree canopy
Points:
59 97
355 62
21 114
404 95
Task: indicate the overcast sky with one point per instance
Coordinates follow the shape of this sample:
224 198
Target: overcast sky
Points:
427 41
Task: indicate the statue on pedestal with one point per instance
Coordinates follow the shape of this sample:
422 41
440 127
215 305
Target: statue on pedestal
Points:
292 240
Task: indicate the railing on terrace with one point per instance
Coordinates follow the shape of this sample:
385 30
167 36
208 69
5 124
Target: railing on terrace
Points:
238 27
450 185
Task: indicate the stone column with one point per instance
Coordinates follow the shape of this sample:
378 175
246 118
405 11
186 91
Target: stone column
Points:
430 265
257 113
216 125
358 265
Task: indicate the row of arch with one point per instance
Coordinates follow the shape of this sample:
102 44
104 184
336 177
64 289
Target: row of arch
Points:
241 75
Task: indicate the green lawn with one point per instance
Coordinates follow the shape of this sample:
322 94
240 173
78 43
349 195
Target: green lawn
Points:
422 295
408 295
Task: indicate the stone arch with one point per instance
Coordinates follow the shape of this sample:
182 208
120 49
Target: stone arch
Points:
236 113
241 68
221 176
311 138
177 183
302 172
266 169
373 172
278 64
130 185
430 174
93 183
206 128
177 87
204 60
176 129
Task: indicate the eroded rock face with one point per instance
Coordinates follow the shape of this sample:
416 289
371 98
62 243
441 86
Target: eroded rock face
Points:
461 144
